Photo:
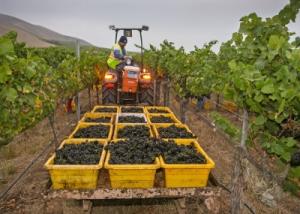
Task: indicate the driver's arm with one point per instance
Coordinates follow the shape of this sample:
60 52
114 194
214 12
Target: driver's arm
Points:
118 55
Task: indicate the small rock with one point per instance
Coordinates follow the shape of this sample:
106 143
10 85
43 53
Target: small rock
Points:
268 199
11 203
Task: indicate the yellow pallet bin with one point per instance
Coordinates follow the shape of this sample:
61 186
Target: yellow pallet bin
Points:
74 176
97 115
172 116
194 101
106 106
147 108
230 106
131 175
131 114
121 107
187 175
157 125
208 105
84 125
122 125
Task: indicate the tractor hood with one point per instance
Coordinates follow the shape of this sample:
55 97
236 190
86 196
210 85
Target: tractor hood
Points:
132 68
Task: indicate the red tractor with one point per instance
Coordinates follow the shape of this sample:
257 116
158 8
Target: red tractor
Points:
137 84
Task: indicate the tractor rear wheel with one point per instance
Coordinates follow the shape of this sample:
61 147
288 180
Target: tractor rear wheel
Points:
147 95
109 95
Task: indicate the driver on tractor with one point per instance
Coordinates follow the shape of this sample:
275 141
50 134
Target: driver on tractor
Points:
116 60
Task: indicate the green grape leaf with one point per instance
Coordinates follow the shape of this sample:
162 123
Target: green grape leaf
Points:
27 88
294 172
260 120
11 94
290 142
5 72
277 149
258 98
286 156
6 46
276 42
268 89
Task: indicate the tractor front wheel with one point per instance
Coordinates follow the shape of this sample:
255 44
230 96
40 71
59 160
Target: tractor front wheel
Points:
109 95
146 95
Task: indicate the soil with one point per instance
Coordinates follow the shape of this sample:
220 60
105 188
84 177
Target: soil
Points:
29 195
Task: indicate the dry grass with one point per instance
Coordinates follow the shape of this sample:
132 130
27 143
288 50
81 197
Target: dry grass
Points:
7 168
8 152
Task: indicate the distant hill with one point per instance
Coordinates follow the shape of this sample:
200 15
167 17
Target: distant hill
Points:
35 35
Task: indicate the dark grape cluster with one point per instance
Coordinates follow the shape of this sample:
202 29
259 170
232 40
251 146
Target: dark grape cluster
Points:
156 110
173 131
131 119
295 160
134 131
133 151
84 153
98 120
107 109
132 110
173 153
94 131
161 119
144 150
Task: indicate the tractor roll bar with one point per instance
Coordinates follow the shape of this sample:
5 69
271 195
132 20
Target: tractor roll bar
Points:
143 28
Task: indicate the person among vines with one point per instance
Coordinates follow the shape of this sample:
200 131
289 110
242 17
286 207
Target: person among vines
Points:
116 60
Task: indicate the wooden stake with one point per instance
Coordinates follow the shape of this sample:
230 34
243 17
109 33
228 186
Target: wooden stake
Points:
183 103
78 76
89 94
97 94
237 181
237 187
244 129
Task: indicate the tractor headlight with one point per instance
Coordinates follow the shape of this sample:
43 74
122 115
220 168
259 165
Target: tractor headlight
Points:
146 76
108 76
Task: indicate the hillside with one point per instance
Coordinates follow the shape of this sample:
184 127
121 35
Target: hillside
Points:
35 35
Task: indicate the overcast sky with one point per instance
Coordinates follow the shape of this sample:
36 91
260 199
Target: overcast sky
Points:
185 22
